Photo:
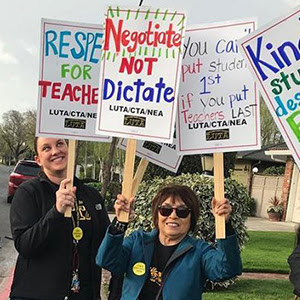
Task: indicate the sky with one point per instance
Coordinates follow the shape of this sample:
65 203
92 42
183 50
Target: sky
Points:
20 23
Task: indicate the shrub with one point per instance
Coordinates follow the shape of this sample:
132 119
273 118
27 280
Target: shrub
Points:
203 187
252 206
274 170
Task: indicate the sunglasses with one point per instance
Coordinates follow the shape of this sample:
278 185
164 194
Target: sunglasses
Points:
181 212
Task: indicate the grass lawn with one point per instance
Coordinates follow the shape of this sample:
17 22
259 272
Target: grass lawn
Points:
254 290
268 252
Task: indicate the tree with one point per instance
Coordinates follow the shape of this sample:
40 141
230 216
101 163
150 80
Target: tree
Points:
105 159
270 134
30 122
17 132
13 132
107 165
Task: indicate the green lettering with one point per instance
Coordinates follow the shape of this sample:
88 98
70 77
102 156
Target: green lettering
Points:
295 126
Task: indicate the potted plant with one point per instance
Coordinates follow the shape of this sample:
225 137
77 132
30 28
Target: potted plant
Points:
275 210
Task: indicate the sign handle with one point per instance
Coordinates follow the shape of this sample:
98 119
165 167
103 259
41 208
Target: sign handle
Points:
219 193
70 171
128 175
141 169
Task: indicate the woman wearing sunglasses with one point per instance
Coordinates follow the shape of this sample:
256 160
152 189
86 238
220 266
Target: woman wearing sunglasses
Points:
168 263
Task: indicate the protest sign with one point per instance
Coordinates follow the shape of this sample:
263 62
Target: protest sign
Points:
218 106
70 58
140 73
273 54
163 155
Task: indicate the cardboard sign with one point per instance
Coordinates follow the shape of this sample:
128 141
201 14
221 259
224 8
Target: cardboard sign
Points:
273 54
68 83
140 73
218 106
163 155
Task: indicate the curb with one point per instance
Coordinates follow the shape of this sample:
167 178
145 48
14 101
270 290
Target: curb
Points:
262 276
8 257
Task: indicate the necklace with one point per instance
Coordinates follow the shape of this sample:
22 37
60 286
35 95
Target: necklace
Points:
77 231
77 236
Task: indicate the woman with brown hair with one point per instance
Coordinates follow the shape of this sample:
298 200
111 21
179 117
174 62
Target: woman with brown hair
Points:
56 254
168 263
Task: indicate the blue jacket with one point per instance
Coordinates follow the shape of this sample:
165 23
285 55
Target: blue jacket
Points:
184 276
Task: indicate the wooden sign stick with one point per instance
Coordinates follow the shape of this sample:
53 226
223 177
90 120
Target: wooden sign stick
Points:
219 193
70 171
139 174
128 175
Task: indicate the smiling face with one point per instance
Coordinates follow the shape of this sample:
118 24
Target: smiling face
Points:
52 156
173 229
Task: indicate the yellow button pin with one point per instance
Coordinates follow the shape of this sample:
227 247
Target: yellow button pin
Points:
139 268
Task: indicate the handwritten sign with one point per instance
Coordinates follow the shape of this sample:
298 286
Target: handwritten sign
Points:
273 54
218 107
163 155
140 73
69 76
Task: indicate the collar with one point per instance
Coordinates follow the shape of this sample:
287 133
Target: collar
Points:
150 237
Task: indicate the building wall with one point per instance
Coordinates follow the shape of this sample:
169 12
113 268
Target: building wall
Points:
265 187
241 172
293 209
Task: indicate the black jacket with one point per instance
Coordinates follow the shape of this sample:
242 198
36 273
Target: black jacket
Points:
43 238
294 262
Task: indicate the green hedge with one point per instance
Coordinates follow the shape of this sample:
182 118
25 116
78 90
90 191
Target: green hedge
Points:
203 187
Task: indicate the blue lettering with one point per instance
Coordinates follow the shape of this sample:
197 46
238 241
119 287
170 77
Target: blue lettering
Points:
107 83
63 44
96 46
150 93
130 88
280 110
168 91
79 54
291 105
258 62
138 85
228 47
138 91
50 42
281 50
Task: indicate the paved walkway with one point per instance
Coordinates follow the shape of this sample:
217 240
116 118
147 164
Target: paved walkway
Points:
261 224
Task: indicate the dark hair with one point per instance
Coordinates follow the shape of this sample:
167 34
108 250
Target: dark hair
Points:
297 238
176 191
35 145
36 142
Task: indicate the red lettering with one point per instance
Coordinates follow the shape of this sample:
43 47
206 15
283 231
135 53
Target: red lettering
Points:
86 93
150 61
170 36
177 40
75 89
67 92
184 115
109 27
137 64
131 40
56 90
44 84
95 95
126 64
